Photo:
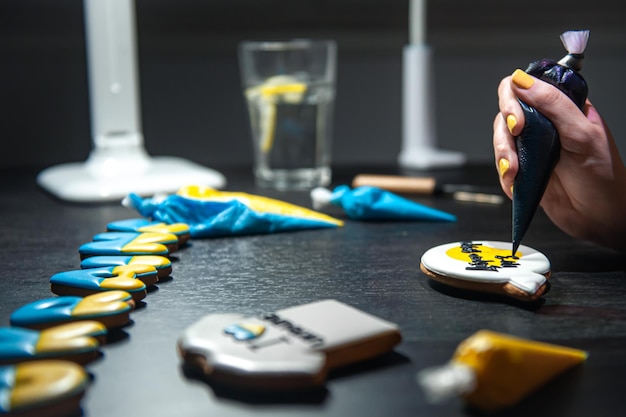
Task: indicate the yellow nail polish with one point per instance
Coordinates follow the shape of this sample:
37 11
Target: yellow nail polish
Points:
522 80
503 166
511 122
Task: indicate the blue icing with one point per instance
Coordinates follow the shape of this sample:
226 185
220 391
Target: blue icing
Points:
108 244
45 311
129 225
7 381
117 236
16 342
83 278
102 261
221 218
373 203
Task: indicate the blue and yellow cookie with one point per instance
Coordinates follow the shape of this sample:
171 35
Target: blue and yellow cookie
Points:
129 243
162 264
111 308
42 388
181 230
77 342
82 282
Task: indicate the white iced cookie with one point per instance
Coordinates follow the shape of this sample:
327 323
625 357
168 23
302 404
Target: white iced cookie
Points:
290 349
488 266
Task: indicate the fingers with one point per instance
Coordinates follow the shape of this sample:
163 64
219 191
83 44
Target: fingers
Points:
505 153
547 99
509 107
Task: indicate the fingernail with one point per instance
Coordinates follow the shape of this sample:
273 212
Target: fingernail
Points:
511 122
522 80
503 166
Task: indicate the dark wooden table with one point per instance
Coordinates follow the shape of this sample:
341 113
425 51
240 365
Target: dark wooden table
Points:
372 266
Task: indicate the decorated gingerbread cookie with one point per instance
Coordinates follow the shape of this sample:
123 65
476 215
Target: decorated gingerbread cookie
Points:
77 342
181 230
82 282
290 349
111 308
488 266
42 388
129 243
162 264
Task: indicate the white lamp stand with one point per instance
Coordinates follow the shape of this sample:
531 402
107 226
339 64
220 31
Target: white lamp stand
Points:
419 136
118 162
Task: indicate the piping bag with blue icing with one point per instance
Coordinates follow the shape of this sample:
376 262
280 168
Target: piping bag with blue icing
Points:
538 145
212 213
373 203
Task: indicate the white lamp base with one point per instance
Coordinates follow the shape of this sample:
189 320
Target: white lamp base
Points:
101 179
419 150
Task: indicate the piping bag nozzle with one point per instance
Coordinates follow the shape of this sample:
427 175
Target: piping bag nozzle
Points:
539 145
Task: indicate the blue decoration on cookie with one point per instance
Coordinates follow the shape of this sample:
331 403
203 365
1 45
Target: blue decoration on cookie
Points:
181 230
121 244
99 279
16 342
47 310
110 308
74 341
162 264
244 331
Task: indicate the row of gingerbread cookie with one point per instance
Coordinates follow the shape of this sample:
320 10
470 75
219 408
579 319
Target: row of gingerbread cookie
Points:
51 340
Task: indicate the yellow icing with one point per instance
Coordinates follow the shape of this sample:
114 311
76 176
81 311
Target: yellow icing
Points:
256 329
71 336
175 228
256 203
103 302
154 237
43 381
153 260
122 283
508 368
132 270
144 247
487 254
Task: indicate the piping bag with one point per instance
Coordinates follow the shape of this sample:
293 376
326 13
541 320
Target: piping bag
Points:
538 145
213 213
493 371
373 203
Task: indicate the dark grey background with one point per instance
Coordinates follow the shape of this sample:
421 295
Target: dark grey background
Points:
192 106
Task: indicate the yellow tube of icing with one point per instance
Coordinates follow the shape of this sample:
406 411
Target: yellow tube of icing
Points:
494 371
256 203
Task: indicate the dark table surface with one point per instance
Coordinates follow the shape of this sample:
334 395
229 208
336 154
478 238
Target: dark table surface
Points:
373 266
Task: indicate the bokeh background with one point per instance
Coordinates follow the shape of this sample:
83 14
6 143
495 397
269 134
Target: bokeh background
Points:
191 99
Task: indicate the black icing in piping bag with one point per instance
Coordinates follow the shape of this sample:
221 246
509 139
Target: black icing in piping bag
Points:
538 145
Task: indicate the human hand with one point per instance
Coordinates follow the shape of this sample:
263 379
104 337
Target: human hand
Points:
586 195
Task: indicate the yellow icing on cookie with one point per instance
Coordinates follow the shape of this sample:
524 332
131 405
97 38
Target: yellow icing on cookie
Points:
131 270
104 302
487 254
70 336
256 203
176 228
37 383
123 283
153 260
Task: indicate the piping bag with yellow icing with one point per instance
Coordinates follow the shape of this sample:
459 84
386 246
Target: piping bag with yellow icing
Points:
493 371
213 213
538 145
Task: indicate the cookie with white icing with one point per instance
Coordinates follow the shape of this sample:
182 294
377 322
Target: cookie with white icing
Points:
489 266
290 349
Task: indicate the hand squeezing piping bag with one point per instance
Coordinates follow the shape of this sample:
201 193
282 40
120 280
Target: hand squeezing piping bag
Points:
539 145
